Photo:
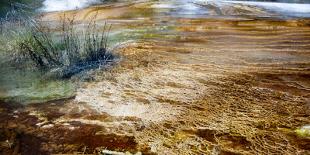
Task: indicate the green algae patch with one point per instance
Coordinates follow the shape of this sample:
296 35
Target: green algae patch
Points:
303 131
40 92
31 87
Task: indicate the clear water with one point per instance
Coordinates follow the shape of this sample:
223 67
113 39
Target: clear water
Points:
30 86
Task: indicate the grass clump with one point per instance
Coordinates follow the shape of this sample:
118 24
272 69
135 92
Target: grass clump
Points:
63 51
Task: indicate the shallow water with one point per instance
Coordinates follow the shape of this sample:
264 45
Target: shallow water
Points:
193 80
30 86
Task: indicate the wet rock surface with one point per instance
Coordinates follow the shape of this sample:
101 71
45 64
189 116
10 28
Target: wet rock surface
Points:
24 131
185 85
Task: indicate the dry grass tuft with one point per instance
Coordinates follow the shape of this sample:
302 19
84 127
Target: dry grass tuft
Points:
63 51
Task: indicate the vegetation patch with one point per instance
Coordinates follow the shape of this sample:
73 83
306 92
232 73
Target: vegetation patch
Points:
62 51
